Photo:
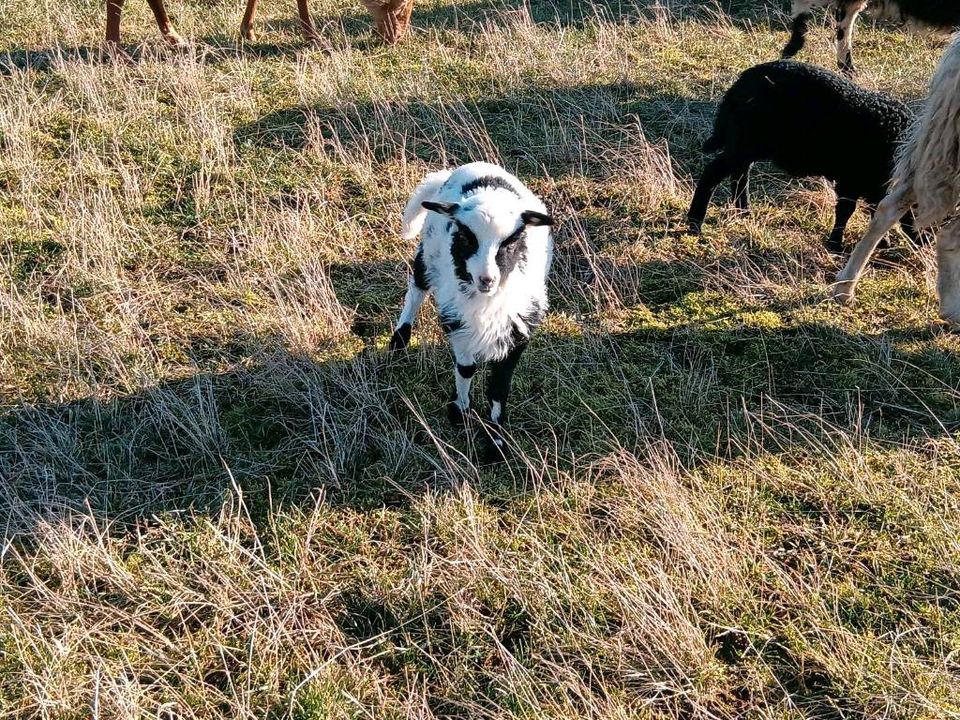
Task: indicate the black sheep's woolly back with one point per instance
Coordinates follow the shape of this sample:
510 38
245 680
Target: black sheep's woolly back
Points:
812 122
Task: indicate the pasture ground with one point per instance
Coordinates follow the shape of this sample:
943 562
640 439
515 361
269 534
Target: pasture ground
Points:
730 497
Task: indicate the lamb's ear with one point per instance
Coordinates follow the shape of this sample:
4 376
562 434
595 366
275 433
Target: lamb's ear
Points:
442 208
532 218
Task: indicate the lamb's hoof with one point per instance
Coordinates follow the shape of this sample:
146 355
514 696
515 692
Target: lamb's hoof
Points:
248 35
401 338
495 450
457 415
694 227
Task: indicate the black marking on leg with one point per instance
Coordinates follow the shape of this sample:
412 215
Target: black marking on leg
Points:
466 371
420 278
401 337
841 33
501 375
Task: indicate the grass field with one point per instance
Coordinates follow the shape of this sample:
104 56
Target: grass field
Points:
729 498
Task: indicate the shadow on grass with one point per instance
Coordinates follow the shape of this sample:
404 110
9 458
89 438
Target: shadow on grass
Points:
362 428
368 432
587 128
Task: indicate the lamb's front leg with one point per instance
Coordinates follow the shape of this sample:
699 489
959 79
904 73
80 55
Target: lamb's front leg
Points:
418 287
498 389
464 368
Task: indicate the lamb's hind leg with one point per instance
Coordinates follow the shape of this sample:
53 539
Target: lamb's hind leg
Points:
306 25
948 272
846 15
890 210
418 287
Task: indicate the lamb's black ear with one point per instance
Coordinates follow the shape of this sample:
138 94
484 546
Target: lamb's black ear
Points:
442 208
532 218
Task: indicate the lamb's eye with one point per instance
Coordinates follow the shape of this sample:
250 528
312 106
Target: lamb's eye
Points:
465 243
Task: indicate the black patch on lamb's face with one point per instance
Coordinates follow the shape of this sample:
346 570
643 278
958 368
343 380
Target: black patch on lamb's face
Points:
488 181
512 253
463 246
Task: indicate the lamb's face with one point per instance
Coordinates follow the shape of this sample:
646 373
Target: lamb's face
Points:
488 240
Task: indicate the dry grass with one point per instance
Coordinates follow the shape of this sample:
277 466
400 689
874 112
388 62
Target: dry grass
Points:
220 498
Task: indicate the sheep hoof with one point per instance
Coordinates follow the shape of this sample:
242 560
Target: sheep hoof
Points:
843 292
834 247
457 415
175 40
694 227
248 35
401 338
495 449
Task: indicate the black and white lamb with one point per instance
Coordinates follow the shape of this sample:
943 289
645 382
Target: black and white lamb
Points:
808 122
484 254
943 15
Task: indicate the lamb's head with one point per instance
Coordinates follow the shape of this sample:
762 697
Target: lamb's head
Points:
488 237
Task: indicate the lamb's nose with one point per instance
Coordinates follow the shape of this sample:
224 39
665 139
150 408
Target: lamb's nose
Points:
484 283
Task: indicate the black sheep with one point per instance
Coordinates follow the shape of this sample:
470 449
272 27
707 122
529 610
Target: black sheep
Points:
808 122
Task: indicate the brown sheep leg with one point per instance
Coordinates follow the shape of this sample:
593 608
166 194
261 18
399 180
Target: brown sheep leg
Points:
391 18
114 8
306 24
163 22
246 25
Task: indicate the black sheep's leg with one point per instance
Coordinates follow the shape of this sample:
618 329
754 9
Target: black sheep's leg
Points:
844 211
718 169
498 389
740 187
